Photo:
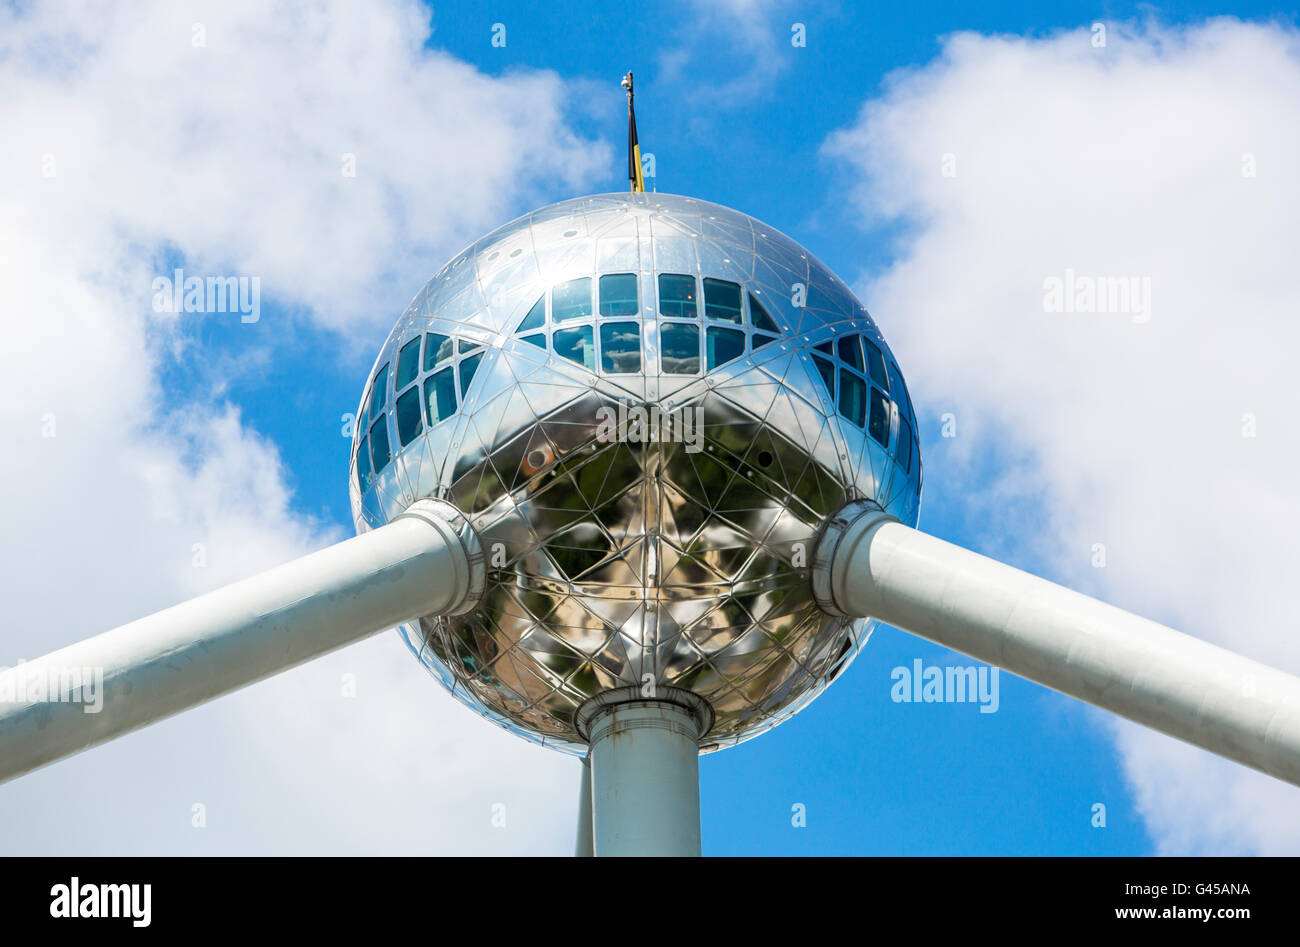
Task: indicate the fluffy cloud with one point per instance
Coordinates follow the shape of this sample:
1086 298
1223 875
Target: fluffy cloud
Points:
220 135
743 39
1169 435
319 146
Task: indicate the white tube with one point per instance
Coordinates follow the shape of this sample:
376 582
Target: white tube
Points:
1166 680
645 771
424 562
583 846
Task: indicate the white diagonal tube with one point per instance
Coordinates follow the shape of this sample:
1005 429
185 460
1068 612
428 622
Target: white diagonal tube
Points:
425 562
873 566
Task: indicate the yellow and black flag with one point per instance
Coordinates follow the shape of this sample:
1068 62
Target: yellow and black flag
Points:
634 173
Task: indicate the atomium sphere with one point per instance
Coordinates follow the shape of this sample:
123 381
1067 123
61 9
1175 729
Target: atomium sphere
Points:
647 406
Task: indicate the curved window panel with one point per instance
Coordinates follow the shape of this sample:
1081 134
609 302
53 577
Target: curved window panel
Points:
827 369
408 364
620 347
363 464
468 366
722 300
618 294
828 347
723 345
379 393
407 412
577 345
759 318
437 348
536 317
538 340
896 377
876 363
896 385
760 339
679 348
904 453
380 451
571 300
879 426
440 395
677 296
850 350
853 397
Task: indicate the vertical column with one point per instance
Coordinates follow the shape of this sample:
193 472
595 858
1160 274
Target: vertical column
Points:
645 771
584 847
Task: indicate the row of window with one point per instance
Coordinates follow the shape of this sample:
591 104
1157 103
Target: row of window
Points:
857 376
862 392
616 348
460 360
619 349
618 295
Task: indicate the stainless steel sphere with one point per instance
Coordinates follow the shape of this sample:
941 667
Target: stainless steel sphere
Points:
647 406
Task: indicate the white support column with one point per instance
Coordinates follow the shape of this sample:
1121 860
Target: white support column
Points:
427 561
645 771
585 846
870 565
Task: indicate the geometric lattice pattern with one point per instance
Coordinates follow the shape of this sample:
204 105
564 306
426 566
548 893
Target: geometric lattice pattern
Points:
662 551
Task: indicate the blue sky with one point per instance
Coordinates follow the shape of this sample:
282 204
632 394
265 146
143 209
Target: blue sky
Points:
735 114
759 151
875 776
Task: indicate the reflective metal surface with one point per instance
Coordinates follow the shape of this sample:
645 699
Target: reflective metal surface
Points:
670 544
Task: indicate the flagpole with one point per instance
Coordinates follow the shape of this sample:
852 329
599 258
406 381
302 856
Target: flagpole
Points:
636 177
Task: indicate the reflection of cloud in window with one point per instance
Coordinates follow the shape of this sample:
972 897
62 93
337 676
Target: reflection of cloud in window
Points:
679 348
620 347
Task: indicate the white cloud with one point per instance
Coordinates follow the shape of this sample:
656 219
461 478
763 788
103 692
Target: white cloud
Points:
230 155
1118 161
235 150
744 39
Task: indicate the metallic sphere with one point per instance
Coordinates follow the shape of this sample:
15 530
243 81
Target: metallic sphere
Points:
647 406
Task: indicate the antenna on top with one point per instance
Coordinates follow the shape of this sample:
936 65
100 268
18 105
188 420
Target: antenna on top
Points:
635 175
